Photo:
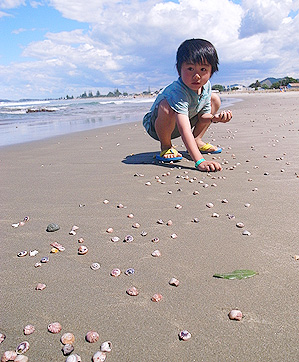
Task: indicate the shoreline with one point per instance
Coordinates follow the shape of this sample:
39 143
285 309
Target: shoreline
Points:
66 179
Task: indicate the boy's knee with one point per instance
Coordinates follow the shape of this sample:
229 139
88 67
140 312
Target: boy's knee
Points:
215 103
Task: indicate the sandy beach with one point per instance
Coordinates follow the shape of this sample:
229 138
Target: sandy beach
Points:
66 179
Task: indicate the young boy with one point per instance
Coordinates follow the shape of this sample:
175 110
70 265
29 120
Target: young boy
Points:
188 103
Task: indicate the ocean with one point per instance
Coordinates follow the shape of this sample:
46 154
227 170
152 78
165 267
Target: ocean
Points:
27 121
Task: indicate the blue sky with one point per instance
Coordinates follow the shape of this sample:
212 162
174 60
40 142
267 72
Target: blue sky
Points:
54 48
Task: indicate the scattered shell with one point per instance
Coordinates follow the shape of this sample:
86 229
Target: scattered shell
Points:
143 233
160 221
178 206
230 216
29 329
169 223
40 286
156 297
136 225
45 259
15 226
115 272
128 239
82 250
130 216
156 253
175 282
9 356
115 239
92 336
148 184
235 314
109 230
21 358
120 206
296 257
54 251
247 205
72 232
155 240
22 347
106 202
246 232
224 201
173 236
195 192
54 327
52 227
36 265
130 271
95 266
106 346
33 252
215 214
67 349
22 253
240 224
75 227
196 220
132 291
184 335
2 337
57 246
73 358
209 205
99 357
80 240
67 338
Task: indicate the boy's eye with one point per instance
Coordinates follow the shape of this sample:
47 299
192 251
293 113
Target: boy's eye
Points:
190 68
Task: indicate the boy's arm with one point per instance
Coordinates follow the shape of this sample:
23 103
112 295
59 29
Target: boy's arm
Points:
184 128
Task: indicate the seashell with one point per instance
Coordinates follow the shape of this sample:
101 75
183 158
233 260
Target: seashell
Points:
67 338
196 220
148 184
136 225
72 232
247 205
155 240
26 218
173 236
29 329
21 358
195 192
54 251
175 282
82 250
15 226
106 346
44 259
130 216
132 291
8 356
184 335
156 253
215 214
115 272
240 225
22 253
75 227
106 202
178 206
33 252
92 336
129 271
209 205
22 347
40 286
81 240
246 232
109 230
160 221
235 314
230 216
36 265
128 239
52 227
54 327
224 201
156 297
95 266
115 239
296 257
120 206
143 233
99 357
67 349
169 223
57 246
2 337
73 358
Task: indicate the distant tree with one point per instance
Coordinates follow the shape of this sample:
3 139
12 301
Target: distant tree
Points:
117 93
84 95
218 87
125 94
110 94
265 86
255 85
90 95
98 94
275 85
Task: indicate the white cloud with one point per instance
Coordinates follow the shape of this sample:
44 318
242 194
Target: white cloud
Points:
10 4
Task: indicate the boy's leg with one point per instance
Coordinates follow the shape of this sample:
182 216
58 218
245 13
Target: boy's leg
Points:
203 124
164 126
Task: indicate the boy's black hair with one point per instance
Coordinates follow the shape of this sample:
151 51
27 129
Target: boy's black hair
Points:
197 51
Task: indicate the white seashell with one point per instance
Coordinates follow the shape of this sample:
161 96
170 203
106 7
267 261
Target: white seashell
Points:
67 338
54 327
29 329
75 227
109 230
169 223
246 232
95 266
106 346
178 206
36 265
215 214
33 252
40 286
235 314
247 205
80 240
2 337
209 205
115 239
156 253
67 349
8 356
99 357
22 347
21 358
115 272
184 335
175 282
224 201
136 225
73 358
240 225
15 226
72 232
22 253
130 216
106 202
128 239
173 236
148 184
155 240
82 250
92 336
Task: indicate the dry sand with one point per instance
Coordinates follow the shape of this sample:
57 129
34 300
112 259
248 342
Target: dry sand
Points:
66 179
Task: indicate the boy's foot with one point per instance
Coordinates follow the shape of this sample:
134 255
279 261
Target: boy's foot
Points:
171 154
208 148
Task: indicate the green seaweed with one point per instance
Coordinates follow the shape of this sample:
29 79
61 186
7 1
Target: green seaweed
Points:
237 274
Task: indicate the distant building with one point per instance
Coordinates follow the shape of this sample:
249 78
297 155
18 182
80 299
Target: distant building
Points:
293 86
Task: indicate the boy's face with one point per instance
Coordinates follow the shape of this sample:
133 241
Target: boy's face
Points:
195 75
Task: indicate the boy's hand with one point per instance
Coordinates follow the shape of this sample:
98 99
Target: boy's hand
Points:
209 166
224 116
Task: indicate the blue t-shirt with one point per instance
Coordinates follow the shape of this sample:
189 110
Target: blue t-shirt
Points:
182 100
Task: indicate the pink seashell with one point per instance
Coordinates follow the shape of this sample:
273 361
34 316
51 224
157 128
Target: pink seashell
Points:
40 286
8 356
92 337
209 205
156 253
82 250
136 225
174 282
22 347
106 346
156 297
115 272
29 329
80 240
169 223
235 314
173 236
73 358
99 357
67 338
130 216
132 291
155 240
21 358
54 327
2 337
109 230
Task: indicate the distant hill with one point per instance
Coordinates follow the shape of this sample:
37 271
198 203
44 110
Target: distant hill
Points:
269 81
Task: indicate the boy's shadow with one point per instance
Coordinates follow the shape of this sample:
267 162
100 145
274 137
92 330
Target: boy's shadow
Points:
148 158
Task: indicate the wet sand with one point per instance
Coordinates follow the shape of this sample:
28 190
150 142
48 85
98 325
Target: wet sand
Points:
65 180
